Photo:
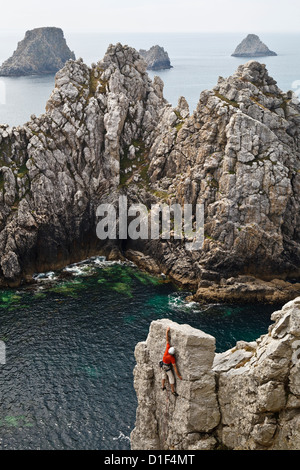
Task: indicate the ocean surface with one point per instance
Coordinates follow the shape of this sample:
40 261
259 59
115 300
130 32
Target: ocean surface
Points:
198 60
68 378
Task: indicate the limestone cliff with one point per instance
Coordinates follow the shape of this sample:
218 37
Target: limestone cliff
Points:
247 398
156 57
43 50
108 130
252 46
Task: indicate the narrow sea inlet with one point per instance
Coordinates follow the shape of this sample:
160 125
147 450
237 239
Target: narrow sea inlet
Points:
68 378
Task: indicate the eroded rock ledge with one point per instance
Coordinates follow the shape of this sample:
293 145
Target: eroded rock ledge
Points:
247 398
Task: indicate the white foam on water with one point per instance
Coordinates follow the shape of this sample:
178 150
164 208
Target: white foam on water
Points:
51 275
121 437
177 301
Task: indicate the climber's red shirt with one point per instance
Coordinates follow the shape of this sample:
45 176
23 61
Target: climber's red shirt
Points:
168 358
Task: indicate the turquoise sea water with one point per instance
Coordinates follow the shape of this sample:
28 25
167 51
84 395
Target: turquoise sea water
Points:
68 378
198 60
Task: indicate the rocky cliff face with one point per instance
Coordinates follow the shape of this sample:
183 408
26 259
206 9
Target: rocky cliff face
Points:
43 50
247 398
239 155
108 130
157 58
252 46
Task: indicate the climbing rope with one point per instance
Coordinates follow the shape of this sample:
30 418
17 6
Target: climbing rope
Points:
165 419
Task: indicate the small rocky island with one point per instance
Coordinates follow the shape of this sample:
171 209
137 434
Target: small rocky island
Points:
252 46
157 58
42 51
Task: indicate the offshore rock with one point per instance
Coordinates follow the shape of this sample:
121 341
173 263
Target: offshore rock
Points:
238 154
157 58
108 131
252 46
246 398
42 51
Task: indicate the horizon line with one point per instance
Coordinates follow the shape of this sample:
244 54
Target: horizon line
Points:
83 31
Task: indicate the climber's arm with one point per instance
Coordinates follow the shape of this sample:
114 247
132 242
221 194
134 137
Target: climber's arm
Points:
177 373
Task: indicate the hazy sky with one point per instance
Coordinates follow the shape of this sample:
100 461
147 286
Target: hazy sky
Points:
153 15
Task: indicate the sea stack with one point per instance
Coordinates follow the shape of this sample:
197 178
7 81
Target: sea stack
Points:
245 398
42 51
157 58
252 46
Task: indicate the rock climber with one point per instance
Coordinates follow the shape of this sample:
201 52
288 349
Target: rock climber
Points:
167 363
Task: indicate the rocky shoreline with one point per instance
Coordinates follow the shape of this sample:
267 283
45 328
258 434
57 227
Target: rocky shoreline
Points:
108 131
